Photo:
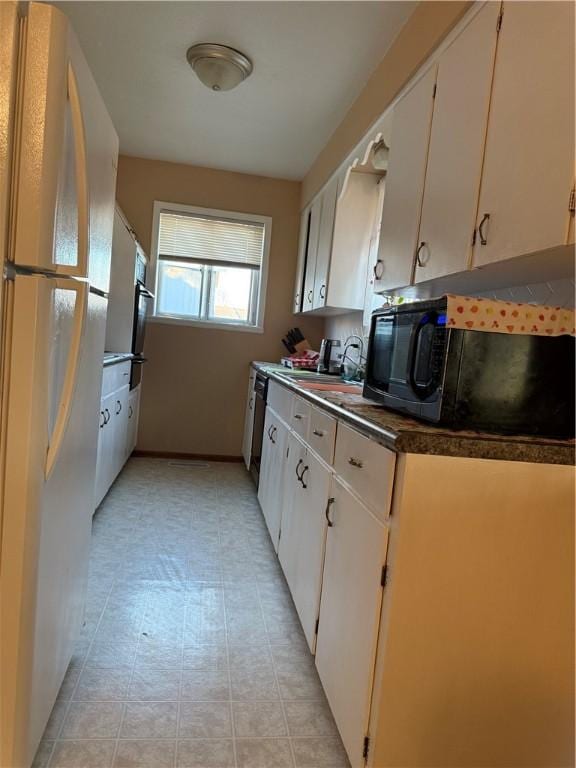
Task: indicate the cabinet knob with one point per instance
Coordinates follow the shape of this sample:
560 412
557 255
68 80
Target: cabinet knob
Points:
355 462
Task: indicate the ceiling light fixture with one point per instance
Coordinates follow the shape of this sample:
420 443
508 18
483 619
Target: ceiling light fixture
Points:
219 67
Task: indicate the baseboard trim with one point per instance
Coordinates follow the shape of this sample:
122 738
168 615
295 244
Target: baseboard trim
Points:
190 456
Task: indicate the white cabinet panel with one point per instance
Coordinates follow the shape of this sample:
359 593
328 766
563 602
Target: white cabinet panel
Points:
303 534
120 318
324 251
300 418
405 184
280 400
270 486
301 263
456 148
350 615
311 254
249 419
133 415
529 164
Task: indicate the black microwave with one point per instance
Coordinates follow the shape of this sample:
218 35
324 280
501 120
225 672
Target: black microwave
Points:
466 379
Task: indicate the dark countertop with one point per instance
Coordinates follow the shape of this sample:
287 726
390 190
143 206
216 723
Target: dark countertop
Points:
405 435
113 358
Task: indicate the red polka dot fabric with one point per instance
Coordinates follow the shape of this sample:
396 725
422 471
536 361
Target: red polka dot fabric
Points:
470 313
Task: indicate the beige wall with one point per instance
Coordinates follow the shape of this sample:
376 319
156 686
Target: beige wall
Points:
194 388
428 25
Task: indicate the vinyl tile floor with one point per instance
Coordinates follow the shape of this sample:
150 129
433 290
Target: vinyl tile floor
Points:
192 655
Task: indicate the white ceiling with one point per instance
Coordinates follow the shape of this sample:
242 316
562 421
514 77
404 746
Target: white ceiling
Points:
311 59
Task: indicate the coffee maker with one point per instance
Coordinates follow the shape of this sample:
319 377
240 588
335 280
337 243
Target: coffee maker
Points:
329 360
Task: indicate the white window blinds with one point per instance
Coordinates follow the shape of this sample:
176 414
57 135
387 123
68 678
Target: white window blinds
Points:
209 240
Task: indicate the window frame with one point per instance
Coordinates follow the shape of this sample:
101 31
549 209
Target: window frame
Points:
230 325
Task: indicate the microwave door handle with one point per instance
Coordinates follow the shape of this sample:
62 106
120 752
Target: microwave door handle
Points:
416 388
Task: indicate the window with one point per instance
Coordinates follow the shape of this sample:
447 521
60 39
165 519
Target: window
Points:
210 266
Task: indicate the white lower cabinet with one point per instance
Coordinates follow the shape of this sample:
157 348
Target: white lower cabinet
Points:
272 465
118 422
303 532
249 420
132 417
352 589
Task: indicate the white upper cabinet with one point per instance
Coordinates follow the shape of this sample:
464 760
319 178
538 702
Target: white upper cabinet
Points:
405 185
311 254
325 243
456 148
301 264
529 165
356 210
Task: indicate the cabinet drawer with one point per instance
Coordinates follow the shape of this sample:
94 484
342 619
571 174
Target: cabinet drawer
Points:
114 377
322 434
368 468
280 400
300 417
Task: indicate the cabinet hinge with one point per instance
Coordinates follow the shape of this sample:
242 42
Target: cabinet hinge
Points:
499 22
572 201
366 748
316 627
384 575
434 90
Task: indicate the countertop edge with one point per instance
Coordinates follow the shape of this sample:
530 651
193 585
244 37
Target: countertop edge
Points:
536 451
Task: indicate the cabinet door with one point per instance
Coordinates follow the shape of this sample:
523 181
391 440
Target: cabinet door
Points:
350 615
249 420
301 264
119 430
100 460
106 446
272 466
529 161
311 253
405 184
303 536
456 148
132 416
326 230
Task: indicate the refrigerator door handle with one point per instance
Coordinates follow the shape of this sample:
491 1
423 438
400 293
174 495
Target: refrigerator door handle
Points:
67 394
80 269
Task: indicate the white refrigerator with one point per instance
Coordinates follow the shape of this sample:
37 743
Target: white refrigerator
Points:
58 155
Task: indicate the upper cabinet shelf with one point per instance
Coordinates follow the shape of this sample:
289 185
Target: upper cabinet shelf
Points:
481 169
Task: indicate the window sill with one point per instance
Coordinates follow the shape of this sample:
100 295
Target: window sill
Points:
167 320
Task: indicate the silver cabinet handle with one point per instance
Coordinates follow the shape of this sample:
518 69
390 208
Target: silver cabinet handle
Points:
317 433
322 291
331 501
103 419
297 300
301 477
355 462
310 295
274 430
418 259
106 416
269 431
130 411
485 219
250 403
119 404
